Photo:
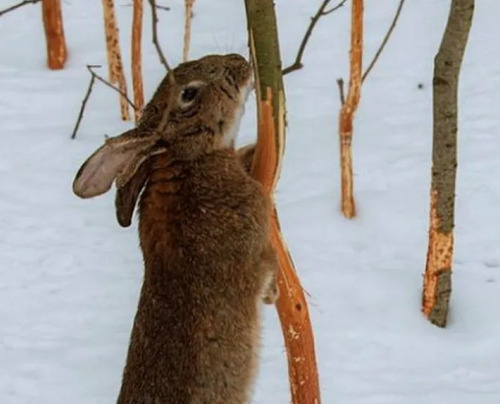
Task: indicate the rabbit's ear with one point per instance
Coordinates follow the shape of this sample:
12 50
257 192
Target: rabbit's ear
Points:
97 174
127 194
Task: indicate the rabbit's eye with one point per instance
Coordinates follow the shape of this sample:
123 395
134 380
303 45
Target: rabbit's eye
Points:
189 94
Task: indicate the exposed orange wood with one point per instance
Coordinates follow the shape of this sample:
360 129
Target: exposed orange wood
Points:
54 34
437 278
291 305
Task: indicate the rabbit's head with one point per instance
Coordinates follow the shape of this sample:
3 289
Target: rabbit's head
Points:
195 110
208 93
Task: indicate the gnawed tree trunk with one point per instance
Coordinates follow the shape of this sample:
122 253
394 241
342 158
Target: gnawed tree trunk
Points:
348 109
292 306
116 74
54 34
187 28
437 279
137 58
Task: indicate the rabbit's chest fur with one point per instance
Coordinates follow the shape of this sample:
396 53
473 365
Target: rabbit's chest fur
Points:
202 228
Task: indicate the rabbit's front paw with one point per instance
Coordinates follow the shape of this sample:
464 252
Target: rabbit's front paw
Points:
271 291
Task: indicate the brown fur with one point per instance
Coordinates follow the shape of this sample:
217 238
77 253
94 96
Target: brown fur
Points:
203 227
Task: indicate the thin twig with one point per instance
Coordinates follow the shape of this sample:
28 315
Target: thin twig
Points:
156 5
384 41
334 8
163 7
84 103
340 83
16 6
163 60
90 67
321 12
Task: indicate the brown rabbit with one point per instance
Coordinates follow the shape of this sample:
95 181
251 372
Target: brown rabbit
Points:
203 227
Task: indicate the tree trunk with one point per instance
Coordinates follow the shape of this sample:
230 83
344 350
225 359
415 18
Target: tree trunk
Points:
437 279
348 109
54 34
187 28
291 305
137 58
116 74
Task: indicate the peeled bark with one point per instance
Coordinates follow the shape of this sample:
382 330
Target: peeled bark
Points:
137 58
447 64
348 110
54 34
291 305
115 65
187 28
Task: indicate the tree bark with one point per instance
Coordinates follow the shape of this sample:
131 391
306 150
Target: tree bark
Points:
187 28
137 58
291 305
447 64
348 109
54 34
116 74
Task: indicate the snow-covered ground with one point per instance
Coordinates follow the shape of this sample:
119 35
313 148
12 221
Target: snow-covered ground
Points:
70 275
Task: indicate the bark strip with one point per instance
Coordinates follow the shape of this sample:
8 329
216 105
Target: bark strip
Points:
447 63
54 34
292 305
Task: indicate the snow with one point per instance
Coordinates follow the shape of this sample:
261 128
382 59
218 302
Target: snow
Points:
70 275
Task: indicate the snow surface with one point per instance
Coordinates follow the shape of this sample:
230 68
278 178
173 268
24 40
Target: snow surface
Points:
70 276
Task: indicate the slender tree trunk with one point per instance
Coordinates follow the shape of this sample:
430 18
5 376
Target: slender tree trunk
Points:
292 305
116 74
187 29
137 58
437 279
348 109
54 34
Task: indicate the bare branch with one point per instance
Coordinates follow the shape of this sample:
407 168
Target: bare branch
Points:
340 83
163 60
16 6
124 95
384 41
84 104
321 12
334 8
93 77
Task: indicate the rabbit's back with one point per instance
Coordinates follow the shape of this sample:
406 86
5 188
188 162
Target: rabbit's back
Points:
196 334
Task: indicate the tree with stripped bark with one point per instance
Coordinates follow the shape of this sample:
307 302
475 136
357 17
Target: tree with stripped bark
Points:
348 109
350 103
137 58
291 305
188 5
116 74
54 34
447 64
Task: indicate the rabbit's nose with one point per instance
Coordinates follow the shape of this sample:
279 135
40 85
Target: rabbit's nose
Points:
235 57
